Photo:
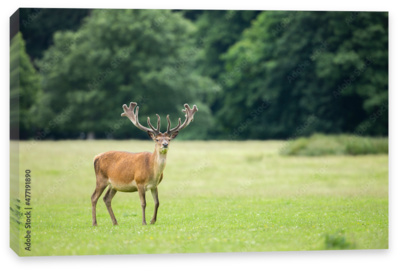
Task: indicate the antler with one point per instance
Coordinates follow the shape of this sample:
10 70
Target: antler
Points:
133 116
189 118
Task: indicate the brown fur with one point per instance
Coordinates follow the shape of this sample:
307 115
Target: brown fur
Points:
129 172
123 167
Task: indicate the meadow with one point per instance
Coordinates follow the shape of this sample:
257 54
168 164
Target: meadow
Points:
216 196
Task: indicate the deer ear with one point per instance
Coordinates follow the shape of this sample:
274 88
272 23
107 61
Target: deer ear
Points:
151 135
174 134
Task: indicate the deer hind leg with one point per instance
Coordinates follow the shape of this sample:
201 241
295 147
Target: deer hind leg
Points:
107 199
101 184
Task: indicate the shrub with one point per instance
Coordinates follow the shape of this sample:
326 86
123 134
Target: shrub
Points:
337 241
320 145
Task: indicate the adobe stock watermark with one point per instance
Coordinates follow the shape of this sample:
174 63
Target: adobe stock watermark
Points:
352 17
32 17
284 23
115 62
58 120
243 186
372 119
121 56
186 57
69 174
141 100
355 74
317 175
300 129
193 174
253 115
237 70
303 66
46 66
157 21
364 190
230 14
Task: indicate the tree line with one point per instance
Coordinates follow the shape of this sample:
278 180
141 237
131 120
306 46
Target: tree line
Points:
252 74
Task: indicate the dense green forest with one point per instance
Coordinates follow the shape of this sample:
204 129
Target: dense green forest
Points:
252 74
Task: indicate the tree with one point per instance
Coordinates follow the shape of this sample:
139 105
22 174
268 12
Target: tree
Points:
24 89
118 56
38 26
294 73
218 30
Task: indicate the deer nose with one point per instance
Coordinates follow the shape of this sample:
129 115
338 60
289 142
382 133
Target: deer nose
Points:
165 145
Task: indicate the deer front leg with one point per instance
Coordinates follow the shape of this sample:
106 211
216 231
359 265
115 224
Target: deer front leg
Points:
154 192
142 196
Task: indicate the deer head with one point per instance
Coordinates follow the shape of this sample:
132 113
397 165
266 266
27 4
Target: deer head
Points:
161 139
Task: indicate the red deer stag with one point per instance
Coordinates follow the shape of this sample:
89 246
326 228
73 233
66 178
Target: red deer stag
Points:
131 172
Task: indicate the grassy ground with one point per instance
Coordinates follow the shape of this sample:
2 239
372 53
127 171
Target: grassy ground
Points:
215 197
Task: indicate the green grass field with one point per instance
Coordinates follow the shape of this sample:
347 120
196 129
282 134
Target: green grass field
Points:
215 197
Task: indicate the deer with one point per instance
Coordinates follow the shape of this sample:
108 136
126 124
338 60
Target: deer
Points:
136 172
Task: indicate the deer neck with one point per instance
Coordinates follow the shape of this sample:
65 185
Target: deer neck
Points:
159 161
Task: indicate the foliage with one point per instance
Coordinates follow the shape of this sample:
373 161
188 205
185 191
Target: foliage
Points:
321 145
24 89
337 241
39 24
331 66
118 56
216 196
255 74
218 30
